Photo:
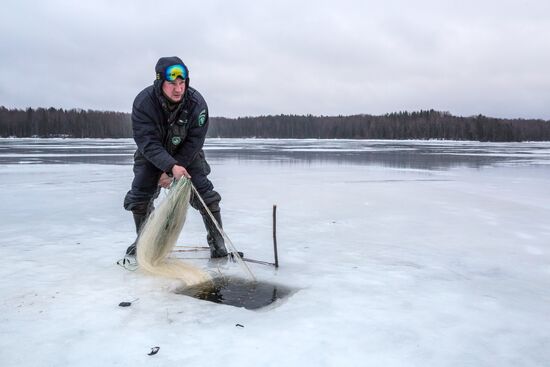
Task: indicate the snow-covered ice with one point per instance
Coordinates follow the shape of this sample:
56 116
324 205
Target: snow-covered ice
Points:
401 253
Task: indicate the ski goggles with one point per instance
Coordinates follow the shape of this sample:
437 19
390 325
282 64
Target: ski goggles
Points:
175 71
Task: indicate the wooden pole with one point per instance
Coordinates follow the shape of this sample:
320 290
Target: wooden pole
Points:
275 236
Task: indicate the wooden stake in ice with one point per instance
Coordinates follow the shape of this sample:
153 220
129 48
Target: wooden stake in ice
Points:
275 236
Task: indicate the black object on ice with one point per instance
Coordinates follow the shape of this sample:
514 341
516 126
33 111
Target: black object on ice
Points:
239 325
154 351
127 304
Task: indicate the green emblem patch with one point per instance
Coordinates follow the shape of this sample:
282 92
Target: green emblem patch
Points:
202 117
176 140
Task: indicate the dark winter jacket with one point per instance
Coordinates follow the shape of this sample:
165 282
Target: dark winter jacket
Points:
167 135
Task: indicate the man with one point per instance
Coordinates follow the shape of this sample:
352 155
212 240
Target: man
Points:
170 121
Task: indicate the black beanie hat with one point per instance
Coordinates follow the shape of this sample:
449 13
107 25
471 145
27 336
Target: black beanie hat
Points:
165 62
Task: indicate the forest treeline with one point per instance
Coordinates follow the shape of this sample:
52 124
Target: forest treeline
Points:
429 124
74 123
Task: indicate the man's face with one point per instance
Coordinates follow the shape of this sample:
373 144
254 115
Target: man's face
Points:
174 90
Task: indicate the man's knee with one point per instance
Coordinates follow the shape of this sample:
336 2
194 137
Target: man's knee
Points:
136 207
211 199
144 189
139 202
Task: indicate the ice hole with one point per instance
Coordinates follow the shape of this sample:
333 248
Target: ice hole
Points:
237 292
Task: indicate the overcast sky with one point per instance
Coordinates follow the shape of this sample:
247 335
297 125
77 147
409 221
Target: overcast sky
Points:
271 57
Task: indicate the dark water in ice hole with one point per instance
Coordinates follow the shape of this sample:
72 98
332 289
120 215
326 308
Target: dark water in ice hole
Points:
237 292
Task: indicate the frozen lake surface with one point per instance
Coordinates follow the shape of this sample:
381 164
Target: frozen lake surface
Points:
399 253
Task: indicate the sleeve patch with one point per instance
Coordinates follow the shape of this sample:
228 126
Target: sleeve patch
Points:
202 117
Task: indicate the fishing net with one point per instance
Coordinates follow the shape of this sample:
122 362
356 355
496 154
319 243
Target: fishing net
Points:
160 233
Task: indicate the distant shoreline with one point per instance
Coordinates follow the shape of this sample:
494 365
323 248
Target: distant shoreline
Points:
418 125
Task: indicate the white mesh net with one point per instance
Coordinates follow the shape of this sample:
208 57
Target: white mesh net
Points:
160 233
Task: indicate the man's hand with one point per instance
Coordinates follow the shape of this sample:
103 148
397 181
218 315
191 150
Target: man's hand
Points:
179 172
165 181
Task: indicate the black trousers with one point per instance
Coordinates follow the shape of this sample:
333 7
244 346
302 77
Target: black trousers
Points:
145 188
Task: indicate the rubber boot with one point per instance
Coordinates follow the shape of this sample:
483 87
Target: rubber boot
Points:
139 219
214 237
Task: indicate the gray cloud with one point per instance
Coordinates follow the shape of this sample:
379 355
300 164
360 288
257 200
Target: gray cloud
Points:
270 57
